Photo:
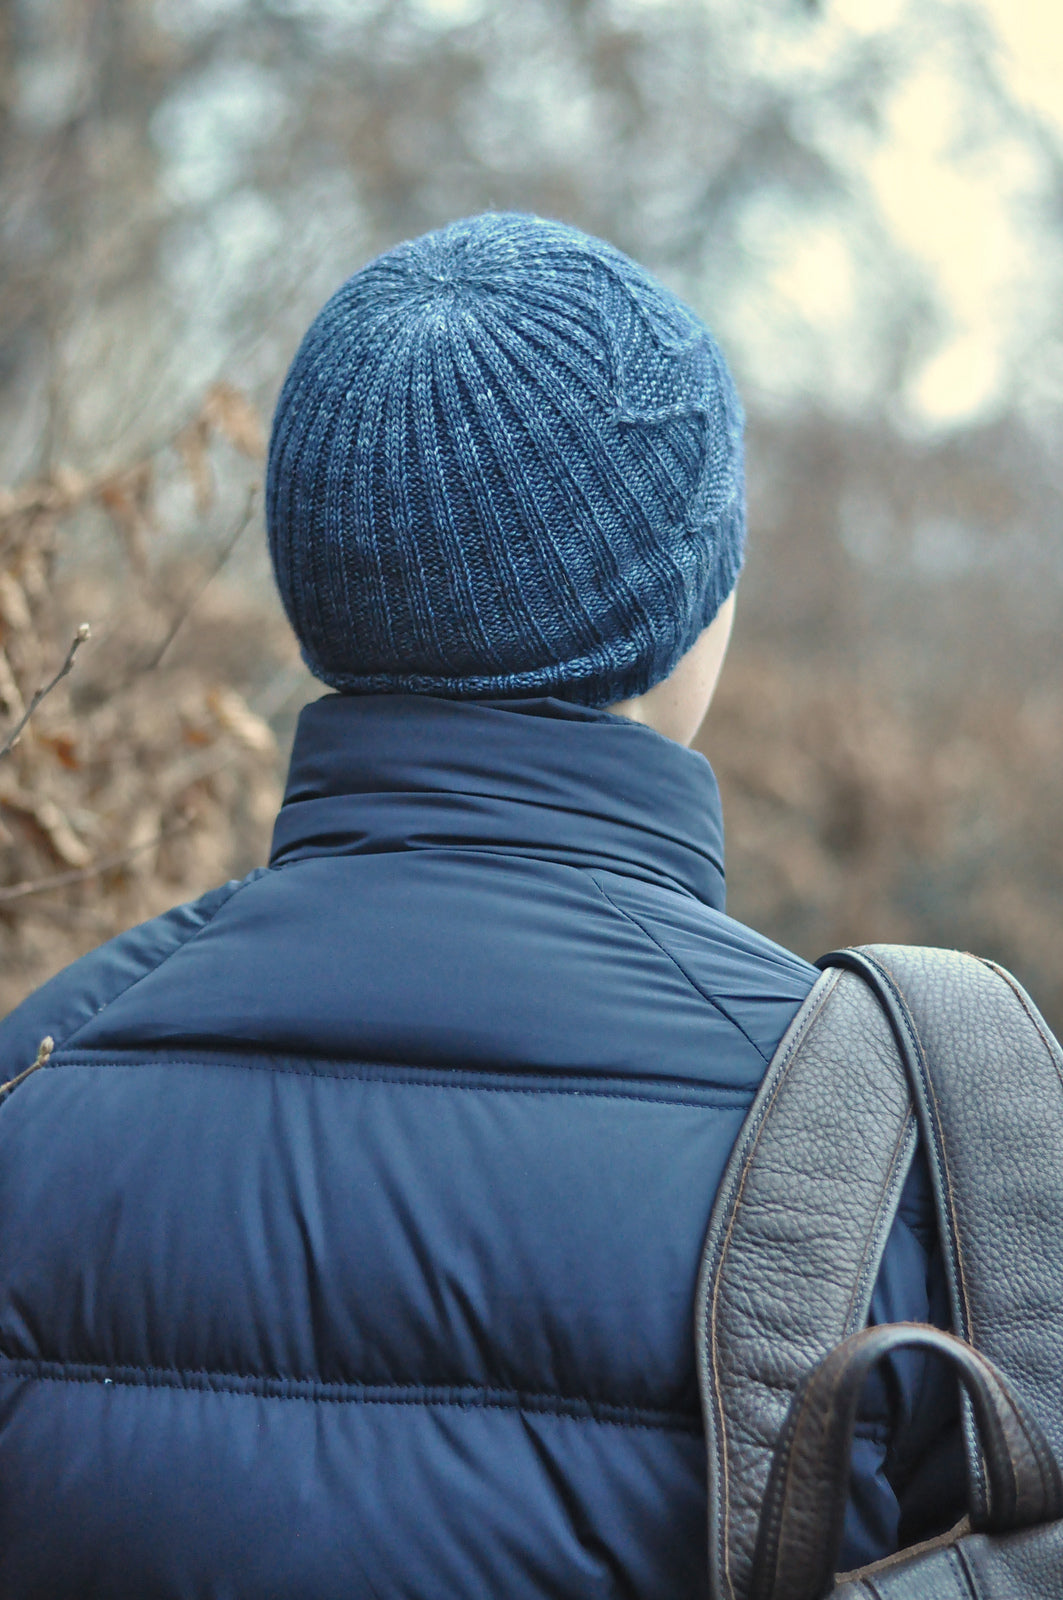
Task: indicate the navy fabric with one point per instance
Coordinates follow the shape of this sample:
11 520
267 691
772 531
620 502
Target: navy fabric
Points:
350 1235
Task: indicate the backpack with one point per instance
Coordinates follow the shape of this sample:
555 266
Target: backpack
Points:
893 1043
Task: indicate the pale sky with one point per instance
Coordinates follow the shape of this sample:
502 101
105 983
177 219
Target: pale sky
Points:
963 194
955 189
948 220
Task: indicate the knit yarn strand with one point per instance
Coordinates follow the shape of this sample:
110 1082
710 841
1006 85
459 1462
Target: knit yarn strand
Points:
505 461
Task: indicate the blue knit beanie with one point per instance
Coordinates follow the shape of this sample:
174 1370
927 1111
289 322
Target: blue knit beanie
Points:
505 461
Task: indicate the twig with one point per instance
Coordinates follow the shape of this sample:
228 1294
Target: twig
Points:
197 593
13 737
47 1045
63 880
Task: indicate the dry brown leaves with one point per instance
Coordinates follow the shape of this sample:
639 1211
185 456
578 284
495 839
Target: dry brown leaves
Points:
145 776
851 819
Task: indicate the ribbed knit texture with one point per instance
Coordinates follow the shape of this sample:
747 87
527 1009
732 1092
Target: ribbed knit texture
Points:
505 461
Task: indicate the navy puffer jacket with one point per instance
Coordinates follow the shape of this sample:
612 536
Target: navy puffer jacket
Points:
348 1240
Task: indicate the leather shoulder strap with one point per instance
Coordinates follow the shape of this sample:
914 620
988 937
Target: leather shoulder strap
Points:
987 1077
794 1243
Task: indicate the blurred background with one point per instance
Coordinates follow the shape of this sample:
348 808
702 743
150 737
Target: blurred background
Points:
864 198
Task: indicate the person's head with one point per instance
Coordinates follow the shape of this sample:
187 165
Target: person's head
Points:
505 462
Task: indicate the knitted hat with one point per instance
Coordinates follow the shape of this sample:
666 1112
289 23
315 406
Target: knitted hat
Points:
505 461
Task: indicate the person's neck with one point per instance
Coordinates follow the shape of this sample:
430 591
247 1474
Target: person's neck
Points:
677 705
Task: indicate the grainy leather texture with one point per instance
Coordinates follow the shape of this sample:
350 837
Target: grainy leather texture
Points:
988 1080
986 1077
793 1246
1022 1566
804 1506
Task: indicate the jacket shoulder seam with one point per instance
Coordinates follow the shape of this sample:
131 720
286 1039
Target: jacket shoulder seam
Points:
155 965
663 948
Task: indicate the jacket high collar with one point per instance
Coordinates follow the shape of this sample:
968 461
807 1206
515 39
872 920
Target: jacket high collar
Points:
533 777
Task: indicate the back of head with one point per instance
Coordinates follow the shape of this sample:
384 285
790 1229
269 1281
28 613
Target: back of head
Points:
506 461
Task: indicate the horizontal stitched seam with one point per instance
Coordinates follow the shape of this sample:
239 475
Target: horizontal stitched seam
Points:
698 1098
463 1396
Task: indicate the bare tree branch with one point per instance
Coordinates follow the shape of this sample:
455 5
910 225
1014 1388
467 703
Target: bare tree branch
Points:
63 880
44 1051
78 640
200 589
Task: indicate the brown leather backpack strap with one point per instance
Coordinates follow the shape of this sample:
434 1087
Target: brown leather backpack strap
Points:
987 1077
794 1243
804 1507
